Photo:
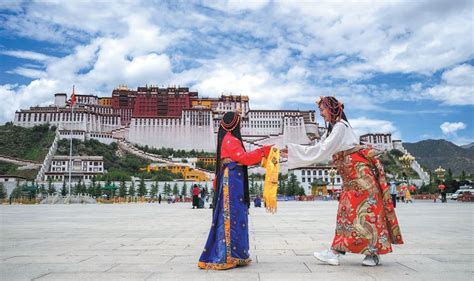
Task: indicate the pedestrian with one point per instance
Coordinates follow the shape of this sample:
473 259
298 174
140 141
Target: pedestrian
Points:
227 245
159 198
408 196
195 192
393 193
366 221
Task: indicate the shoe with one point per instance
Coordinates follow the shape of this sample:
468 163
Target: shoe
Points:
371 260
327 257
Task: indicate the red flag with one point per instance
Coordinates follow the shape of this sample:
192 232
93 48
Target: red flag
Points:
73 96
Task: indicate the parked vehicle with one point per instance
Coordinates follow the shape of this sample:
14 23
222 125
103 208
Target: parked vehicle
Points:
461 190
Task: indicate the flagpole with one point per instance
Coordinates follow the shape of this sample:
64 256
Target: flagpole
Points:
70 140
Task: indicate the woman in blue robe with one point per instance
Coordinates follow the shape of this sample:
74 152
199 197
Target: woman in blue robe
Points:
227 245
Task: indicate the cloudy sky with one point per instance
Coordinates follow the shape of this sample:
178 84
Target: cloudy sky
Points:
404 67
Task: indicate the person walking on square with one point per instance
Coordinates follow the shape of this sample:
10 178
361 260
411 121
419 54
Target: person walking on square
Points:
393 193
408 196
366 221
195 192
227 245
159 199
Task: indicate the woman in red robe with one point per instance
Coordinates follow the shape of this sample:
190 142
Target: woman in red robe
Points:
366 220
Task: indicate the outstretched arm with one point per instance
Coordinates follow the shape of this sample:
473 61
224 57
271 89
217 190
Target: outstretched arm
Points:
302 155
238 154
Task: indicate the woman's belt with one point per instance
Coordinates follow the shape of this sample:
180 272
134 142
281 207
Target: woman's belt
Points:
228 160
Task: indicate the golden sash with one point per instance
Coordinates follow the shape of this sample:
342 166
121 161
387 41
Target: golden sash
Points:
271 163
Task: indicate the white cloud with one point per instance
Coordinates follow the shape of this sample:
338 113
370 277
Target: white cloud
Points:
364 125
27 55
254 48
456 88
237 5
14 97
28 72
451 128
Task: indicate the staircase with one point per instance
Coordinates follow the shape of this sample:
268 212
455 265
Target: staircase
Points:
424 176
47 160
130 148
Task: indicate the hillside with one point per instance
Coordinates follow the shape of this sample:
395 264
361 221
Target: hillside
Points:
26 143
129 164
433 153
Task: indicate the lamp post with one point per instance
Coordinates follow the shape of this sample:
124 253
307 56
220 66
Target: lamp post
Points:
332 177
440 172
406 161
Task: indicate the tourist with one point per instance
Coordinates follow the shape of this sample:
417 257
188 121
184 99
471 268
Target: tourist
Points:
402 194
159 198
257 202
366 221
227 245
195 192
408 196
393 193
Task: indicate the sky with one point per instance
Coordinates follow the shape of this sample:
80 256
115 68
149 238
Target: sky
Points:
400 67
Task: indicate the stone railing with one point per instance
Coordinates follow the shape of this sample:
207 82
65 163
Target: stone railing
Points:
424 176
47 160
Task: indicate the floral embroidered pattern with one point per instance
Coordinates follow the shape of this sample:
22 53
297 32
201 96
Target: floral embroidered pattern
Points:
366 220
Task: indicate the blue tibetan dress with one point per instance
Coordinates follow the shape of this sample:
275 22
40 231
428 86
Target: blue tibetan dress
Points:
228 243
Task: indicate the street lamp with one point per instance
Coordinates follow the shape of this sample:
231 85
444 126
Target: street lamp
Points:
406 161
332 177
440 172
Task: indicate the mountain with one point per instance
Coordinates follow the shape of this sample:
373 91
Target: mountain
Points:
468 146
433 153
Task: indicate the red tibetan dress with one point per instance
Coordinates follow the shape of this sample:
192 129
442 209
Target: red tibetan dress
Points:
366 220
227 245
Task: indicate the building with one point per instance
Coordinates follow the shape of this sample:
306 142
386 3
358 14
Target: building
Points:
189 174
207 160
84 168
11 182
306 175
381 142
172 117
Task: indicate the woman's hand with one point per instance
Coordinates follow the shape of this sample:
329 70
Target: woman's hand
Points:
284 152
266 149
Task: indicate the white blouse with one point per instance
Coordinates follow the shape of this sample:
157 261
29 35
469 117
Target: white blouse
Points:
341 138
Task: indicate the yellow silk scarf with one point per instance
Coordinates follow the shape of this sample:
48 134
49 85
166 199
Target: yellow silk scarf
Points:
271 163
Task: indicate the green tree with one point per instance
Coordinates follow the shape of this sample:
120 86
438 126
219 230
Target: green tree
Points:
64 189
252 187
51 188
175 189
3 191
167 189
131 189
184 190
98 190
142 191
293 186
301 191
122 192
42 189
154 190
260 189
462 178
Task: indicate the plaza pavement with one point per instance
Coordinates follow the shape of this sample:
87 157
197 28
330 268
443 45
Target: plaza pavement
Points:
164 242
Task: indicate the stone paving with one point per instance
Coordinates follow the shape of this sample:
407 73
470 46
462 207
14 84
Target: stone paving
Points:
164 242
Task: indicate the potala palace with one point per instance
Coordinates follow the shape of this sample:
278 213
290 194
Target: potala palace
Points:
168 117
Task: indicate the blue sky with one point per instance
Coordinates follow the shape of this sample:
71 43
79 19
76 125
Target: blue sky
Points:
404 67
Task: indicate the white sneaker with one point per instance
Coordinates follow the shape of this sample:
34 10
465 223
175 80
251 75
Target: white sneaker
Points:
328 257
371 260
